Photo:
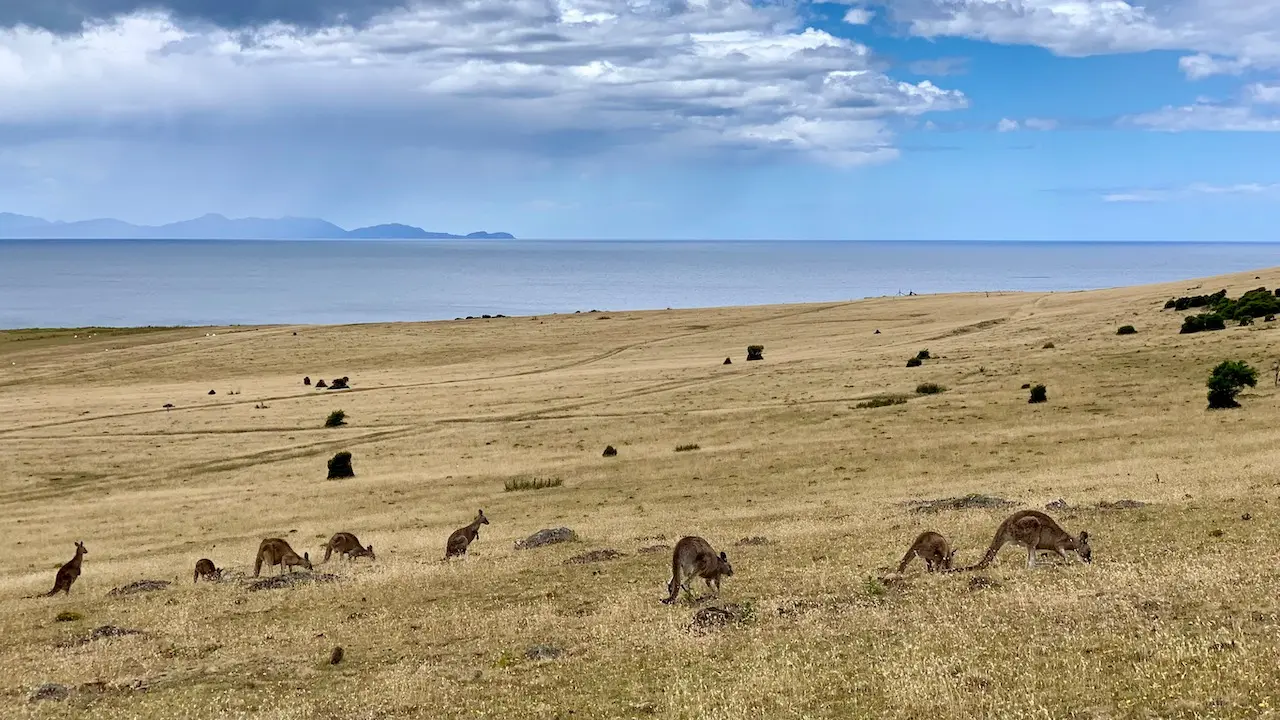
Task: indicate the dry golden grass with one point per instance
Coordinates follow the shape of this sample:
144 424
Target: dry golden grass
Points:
1177 617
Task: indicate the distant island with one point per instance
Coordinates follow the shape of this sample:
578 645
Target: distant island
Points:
219 227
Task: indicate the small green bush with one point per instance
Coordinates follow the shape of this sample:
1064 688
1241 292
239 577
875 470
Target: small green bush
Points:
68 616
687 448
1202 322
1227 380
915 362
930 388
1245 320
340 466
923 355
1127 330
336 419
517 484
882 401
1038 394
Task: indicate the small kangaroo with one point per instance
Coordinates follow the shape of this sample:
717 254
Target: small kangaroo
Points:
931 547
461 538
692 558
206 570
1035 531
68 573
344 543
274 551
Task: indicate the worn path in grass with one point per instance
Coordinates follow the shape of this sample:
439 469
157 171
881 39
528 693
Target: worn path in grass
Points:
1178 616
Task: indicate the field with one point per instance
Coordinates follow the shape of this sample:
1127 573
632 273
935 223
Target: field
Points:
1177 617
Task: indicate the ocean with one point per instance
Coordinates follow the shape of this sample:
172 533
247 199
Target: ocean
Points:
77 283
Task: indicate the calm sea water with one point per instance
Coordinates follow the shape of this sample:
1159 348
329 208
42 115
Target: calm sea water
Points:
55 283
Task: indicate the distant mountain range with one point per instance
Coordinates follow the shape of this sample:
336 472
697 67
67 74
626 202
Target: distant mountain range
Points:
219 227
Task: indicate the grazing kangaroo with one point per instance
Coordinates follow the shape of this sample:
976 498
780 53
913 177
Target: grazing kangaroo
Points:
206 570
275 551
461 538
344 543
931 547
1035 531
68 573
692 558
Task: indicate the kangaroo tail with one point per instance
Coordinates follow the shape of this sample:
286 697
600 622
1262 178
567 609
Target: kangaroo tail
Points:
906 559
257 565
328 550
996 543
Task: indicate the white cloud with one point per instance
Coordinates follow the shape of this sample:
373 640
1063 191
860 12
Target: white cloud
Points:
1040 124
858 16
1006 125
1225 35
706 74
1148 195
1261 94
1206 117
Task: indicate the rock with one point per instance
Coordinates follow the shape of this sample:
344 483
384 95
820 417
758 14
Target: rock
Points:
213 392
140 586
609 451
49 691
594 556
543 652
1121 505
335 657
727 361
549 536
1060 505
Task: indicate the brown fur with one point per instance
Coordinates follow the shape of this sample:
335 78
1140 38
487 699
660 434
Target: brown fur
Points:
931 547
274 551
344 543
68 573
462 538
1035 531
206 570
694 557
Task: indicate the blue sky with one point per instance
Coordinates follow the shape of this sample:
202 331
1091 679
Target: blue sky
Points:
889 119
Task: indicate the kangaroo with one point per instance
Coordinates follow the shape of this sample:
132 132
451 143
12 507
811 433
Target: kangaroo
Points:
344 543
206 570
275 551
461 538
931 547
692 558
68 573
1035 531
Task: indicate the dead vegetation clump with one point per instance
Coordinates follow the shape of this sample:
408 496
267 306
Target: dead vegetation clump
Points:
881 401
754 540
99 633
548 536
649 550
972 501
710 618
519 484
289 580
594 556
1125 504
140 586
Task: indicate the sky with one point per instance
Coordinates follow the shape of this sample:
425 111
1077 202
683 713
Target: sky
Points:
662 119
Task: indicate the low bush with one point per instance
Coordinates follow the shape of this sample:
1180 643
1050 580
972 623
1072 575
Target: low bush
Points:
518 484
923 355
340 466
687 448
335 419
915 362
929 388
1227 380
882 401
1127 330
1202 322
1038 394
1049 346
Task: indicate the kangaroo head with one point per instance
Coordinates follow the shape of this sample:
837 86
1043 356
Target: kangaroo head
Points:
369 551
482 519
80 548
726 568
1082 547
948 559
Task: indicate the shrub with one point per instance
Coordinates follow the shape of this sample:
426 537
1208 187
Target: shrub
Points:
755 352
1245 320
929 388
923 355
882 401
1201 322
915 362
68 616
517 484
1227 380
1127 330
336 418
1038 394
1049 346
1171 304
340 466
687 448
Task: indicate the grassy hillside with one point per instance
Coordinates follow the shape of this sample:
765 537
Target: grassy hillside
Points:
1176 617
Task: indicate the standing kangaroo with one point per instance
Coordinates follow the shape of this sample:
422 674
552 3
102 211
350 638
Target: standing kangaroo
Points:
206 570
274 551
68 573
344 543
692 558
1035 531
461 538
931 547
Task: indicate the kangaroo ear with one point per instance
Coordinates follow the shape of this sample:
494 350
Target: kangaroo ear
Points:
1084 535
723 556
306 556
